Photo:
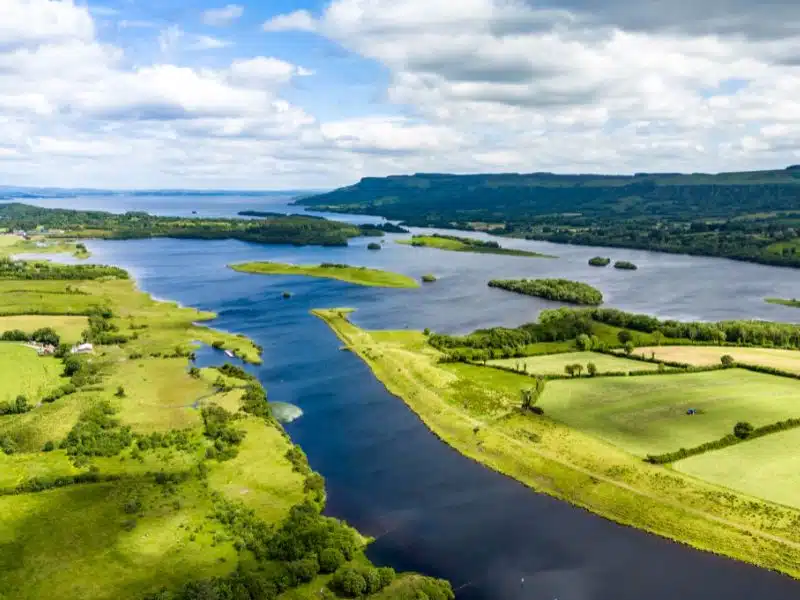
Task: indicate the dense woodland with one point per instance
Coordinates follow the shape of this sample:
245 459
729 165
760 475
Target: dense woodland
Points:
276 229
747 216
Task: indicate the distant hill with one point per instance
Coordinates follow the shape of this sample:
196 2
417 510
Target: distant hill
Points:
748 216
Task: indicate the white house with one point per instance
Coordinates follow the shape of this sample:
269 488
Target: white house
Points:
82 349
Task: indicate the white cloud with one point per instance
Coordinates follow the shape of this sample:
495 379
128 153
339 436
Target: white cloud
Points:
262 70
223 16
173 39
299 20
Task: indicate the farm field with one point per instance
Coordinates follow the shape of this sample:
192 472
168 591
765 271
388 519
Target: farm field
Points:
647 415
766 467
356 275
69 328
777 358
553 364
23 372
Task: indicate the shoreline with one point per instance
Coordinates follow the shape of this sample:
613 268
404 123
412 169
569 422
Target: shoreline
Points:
545 471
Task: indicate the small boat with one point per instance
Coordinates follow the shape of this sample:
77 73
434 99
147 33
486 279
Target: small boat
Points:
229 353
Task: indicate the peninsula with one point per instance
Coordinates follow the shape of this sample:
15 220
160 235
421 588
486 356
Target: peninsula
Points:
356 275
556 415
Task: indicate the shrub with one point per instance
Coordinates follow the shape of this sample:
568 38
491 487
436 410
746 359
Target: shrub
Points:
305 569
727 360
14 335
120 393
46 335
49 446
743 430
349 582
591 368
330 559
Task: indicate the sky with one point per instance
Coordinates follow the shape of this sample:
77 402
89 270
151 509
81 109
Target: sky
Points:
313 94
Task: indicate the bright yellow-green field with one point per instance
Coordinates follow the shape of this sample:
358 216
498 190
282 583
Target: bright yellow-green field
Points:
39 244
69 328
476 410
647 415
356 275
785 360
553 364
766 467
431 241
24 372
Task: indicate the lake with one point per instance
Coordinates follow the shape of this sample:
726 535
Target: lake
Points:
429 508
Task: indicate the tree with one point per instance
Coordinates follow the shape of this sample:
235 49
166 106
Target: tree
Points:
569 370
527 398
658 337
349 582
727 360
330 559
624 336
21 405
194 372
743 430
46 335
584 342
629 348
591 368
578 369
120 392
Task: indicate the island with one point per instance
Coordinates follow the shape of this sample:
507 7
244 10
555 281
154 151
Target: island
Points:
76 224
463 244
599 261
429 278
126 471
561 290
665 212
357 275
373 246
783 301
698 452
625 265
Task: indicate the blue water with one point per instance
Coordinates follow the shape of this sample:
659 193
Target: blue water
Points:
429 508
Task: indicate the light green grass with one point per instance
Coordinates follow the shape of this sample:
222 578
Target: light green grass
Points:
647 415
429 241
356 275
69 543
766 467
67 327
701 356
553 364
24 372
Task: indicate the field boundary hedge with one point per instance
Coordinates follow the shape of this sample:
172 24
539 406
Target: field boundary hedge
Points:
724 442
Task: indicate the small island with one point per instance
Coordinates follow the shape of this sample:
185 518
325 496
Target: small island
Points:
625 265
428 278
561 290
599 261
783 302
373 246
462 244
347 273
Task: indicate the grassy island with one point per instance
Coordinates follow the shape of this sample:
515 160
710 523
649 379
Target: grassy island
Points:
561 290
585 437
356 275
127 472
429 278
463 244
783 302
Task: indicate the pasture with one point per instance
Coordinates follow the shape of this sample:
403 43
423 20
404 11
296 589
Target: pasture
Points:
647 415
554 364
777 358
766 467
69 328
24 373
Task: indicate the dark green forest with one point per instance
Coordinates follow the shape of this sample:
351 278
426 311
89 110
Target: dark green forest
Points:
561 290
751 216
275 229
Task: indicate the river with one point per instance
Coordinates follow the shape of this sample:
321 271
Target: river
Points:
429 508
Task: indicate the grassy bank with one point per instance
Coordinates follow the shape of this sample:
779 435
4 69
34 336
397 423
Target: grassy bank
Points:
783 301
463 244
356 275
475 410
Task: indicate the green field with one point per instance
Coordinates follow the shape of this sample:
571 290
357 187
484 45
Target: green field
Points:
701 356
553 364
647 415
24 372
69 328
766 467
794 302
356 275
455 244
